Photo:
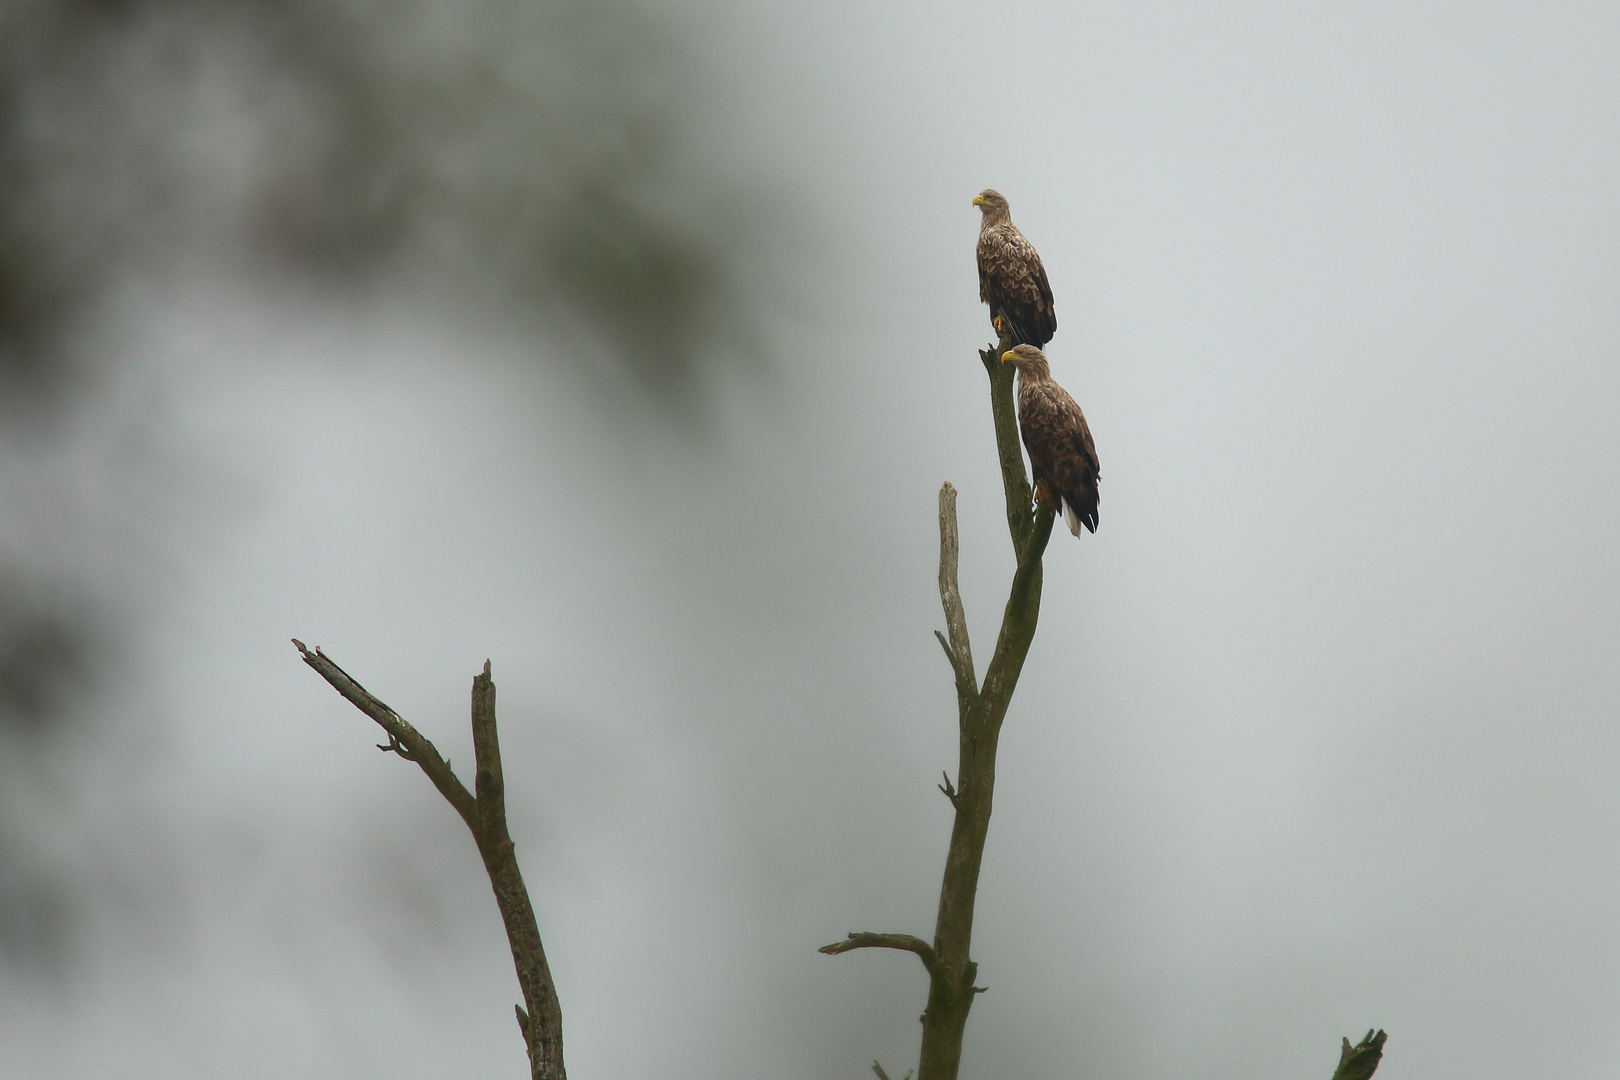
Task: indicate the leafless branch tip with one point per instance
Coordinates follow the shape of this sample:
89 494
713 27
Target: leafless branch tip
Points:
903 942
1360 1061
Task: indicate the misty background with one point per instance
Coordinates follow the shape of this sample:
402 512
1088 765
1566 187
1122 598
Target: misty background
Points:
627 346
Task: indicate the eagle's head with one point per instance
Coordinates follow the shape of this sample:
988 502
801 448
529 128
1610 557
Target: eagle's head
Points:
1027 359
990 200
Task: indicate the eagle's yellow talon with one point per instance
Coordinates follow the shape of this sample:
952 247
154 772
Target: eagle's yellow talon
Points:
1042 494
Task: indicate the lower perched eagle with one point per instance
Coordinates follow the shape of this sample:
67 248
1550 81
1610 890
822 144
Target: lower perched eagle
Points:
1011 278
1062 456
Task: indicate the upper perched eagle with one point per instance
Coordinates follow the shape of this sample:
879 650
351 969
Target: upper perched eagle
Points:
1011 278
1062 456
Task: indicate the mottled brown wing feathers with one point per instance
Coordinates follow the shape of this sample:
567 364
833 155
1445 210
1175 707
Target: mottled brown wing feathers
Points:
1013 282
1060 448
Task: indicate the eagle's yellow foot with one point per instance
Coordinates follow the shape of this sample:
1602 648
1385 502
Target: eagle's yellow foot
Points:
997 323
1043 495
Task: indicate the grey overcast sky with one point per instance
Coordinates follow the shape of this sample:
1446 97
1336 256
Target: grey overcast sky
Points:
1319 732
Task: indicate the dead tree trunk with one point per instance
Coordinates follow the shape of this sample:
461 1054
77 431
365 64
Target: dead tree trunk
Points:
980 711
981 707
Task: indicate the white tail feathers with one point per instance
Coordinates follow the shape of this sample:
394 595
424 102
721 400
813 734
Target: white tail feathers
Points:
1070 518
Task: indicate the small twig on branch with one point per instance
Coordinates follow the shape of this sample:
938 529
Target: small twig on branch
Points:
885 1076
394 746
1360 1061
949 656
946 788
903 942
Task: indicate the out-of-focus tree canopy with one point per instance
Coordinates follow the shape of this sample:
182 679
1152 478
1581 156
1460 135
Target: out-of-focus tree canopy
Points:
550 168
554 158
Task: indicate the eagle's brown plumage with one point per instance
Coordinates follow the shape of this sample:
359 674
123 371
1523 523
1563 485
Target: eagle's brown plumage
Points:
1011 278
1061 453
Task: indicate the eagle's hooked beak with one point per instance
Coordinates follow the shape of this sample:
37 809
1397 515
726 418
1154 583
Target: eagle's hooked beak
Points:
1008 357
978 200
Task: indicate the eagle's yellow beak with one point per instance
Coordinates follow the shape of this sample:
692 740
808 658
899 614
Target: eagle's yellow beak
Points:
978 200
1008 357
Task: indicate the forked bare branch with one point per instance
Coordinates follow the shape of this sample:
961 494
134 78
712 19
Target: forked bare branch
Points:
485 815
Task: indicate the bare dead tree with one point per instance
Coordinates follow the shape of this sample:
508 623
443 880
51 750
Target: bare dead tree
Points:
484 811
981 708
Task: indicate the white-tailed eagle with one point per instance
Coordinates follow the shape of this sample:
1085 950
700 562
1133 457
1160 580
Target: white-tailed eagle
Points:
1011 278
1062 457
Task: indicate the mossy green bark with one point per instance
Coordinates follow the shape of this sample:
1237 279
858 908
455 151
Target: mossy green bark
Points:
980 712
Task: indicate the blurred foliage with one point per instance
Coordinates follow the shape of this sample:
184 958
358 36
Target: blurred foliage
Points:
562 160
559 167
43 653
